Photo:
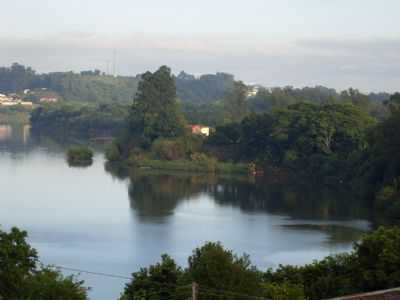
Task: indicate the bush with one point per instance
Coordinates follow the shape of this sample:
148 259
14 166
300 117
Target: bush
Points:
79 156
168 149
283 291
208 163
113 152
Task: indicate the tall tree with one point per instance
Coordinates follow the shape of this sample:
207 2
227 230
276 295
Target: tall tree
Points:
155 112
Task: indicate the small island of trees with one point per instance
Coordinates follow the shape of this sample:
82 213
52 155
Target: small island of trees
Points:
80 156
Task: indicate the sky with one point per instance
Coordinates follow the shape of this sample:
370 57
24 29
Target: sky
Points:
336 43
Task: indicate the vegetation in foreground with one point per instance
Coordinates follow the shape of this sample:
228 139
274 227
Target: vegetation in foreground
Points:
23 277
80 156
373 264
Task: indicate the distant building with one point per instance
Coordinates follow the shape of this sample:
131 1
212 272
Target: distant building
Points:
200 130
253 90
12 100
48 99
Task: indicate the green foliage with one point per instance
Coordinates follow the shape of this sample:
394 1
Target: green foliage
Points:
378 260
315 139
79 156
378 170
17 260
235 104
88 86
210 114
157 282
82 120
283 291
267 100
216 268
22 278
374 264
205 89
155 112
204 164
47 284
169 149
113 152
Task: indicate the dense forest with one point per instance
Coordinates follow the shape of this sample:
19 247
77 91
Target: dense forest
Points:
373 265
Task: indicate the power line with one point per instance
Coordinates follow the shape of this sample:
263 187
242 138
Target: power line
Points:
93 273
117 276
202 289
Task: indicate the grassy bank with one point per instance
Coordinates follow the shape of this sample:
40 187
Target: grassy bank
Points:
191 166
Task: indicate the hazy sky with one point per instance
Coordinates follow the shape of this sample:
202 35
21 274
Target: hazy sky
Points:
337 43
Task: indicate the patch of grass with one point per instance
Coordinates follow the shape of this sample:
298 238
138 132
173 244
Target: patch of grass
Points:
190 166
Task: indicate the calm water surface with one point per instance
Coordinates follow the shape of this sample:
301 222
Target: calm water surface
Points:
100 219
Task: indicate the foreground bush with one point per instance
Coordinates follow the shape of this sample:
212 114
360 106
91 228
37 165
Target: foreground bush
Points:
22 277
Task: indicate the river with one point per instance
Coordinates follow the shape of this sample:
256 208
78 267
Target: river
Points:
102 219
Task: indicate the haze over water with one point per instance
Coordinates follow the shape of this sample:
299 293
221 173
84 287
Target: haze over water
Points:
102 220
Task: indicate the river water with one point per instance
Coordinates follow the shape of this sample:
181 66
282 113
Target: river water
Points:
102 219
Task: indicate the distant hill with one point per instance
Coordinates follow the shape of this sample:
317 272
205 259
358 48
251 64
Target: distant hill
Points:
87 86
97 87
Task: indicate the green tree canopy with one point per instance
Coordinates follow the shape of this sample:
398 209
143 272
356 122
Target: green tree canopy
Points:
21 277
155 112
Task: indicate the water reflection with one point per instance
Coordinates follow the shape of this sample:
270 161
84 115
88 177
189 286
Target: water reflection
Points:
5 132
156 195
14 137
125 219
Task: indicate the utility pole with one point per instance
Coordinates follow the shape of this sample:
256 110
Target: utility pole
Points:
115 63
195 291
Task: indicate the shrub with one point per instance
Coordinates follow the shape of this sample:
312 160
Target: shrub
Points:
169 149
79 156
208 163
113 152
283 291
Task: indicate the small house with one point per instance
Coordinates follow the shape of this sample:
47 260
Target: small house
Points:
200 130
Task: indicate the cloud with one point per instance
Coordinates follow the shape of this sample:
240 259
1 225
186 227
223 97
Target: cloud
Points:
368 64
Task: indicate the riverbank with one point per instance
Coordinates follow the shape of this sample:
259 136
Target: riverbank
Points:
191 166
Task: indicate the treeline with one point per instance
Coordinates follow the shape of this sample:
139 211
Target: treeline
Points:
220 274
87 86
330 143
95 86
318 140
80 120
206 91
